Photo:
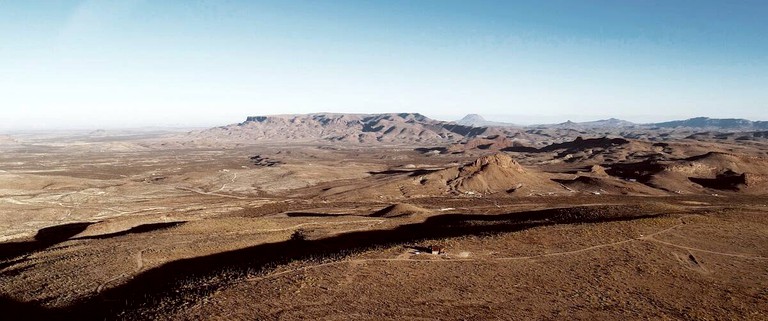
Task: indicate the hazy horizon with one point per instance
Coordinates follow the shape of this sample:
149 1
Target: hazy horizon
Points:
127 64
523 120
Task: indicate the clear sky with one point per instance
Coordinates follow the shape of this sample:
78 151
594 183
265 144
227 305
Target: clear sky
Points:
126 63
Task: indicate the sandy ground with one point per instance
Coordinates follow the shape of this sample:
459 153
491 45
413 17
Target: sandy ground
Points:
126 229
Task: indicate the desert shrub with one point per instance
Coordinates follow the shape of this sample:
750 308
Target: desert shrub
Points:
299 235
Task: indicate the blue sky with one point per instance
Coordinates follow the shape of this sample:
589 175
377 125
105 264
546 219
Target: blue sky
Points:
94 64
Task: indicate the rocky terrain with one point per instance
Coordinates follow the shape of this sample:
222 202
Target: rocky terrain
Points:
386 217
715 123
403 128
419 130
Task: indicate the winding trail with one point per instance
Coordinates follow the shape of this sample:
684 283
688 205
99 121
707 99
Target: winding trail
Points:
212 193
139 255
739 255
649 238
232 181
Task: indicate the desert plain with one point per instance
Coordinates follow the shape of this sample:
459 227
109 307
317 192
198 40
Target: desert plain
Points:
385 217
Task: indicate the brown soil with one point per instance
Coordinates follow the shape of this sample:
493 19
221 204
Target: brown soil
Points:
398 210
155 227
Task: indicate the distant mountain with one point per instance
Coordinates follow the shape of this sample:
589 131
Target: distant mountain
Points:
402 128
471 132
478 121
731 124
714 123
603 123
471 120
609 123
731 135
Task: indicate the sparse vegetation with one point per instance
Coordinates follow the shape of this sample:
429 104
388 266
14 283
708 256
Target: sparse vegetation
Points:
334 223
299 235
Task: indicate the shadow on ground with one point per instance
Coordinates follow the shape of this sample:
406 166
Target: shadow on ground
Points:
185 280
13 309
410 172
312 214
44 238
144 228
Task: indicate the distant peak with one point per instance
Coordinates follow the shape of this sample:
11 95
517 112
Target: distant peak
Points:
473 117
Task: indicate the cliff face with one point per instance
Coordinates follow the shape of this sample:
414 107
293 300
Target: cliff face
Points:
406 128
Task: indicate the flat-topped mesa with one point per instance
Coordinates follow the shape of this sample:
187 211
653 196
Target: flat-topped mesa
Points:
719 123
387 128
341 116
256 119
